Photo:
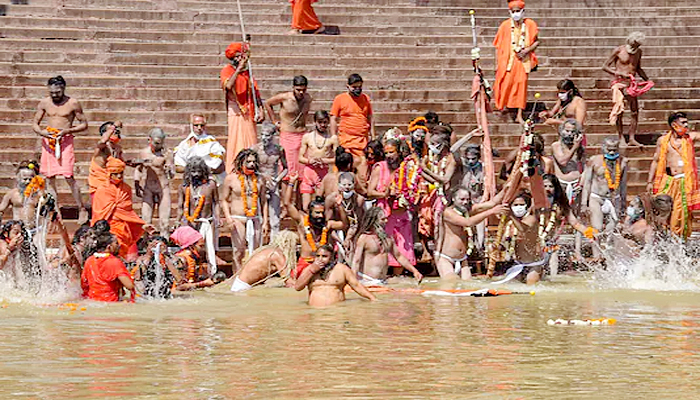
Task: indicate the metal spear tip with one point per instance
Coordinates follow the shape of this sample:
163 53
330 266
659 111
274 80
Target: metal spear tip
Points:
472 12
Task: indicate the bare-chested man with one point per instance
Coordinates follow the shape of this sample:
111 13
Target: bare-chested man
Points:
674 172
152 177
317 155
372 248
245 205
343 163
624 64
57 153
198 205
276 259
314 229
273 167
459 235
326 280
21 199
570 104
294 107
605 187
569 157
353 204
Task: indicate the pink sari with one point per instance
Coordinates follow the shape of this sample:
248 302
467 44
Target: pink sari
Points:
398 225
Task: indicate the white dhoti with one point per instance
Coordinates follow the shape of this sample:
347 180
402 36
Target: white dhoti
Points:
456 262
369 281
249 231
207 232
240 286
571 187
607 206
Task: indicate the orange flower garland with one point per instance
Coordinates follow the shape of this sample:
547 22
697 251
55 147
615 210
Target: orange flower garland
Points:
36 184
618 173
310 237
52 142
253 211
197 210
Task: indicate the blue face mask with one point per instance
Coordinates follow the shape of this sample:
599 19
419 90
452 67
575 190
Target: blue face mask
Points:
612 157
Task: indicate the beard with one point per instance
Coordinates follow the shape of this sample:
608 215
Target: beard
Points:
417 145
318 222
394 163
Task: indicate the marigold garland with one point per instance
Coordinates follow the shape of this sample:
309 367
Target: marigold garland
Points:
618 173
310 237
36 184
197 210
253 211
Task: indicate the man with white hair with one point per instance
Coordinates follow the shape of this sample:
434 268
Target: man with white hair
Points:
200 144
624 64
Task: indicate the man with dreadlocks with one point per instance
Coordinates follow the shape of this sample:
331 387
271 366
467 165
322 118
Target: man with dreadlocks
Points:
23 198
245 205
314 229
113 203
18 256
372 248
277 258
198 204
326 280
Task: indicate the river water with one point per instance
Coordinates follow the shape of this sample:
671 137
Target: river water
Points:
268 343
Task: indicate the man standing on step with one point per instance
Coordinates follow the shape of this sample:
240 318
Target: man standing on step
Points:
152 177
674 172
294 106
352 119
515 44
624 64
242 102
57 157
304 19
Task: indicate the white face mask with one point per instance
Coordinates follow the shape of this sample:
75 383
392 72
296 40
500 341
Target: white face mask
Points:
519 210
517 15
631 212
347 195
563 96
435 148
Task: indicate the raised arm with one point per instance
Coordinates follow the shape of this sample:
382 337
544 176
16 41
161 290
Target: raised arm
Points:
462 141
453 218
562 154
292 210
351 278
306 275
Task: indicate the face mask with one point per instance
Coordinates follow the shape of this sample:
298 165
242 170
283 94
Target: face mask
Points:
435 148
248 171
348 194
563 96
550 199
519 210
115 180
356 91
680 129
612 157
114 139
632 212
517 15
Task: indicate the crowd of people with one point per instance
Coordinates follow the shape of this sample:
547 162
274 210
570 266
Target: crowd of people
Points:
342 204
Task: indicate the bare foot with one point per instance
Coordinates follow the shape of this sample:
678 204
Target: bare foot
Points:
82 216
293 32
320 30
520 120
634 143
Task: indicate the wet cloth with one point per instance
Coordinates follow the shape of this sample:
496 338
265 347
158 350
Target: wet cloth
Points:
510 86
99 279
457 262
302 263
240 286
399 228
57 156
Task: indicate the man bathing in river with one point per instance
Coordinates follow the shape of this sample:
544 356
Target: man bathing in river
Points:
372 249
24 197
276 259
326 280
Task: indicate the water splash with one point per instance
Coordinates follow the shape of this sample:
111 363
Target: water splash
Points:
667 265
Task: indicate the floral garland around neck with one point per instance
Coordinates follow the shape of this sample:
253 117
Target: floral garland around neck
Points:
438 169
406 184
197 210
515 43
510 236
470 235
253 210
543 231
618 173
310 236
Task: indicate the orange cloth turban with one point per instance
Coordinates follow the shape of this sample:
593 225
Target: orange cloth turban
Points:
232 49
516 3
115 165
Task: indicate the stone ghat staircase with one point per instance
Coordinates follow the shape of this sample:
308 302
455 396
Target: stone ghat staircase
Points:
152 63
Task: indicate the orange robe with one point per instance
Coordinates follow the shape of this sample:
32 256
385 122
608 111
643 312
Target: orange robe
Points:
98 176
682 188
113 204
303 15
242 133
510 87
354 128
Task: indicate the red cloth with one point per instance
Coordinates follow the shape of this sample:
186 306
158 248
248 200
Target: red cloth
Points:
232 49
303 15
243 94
354 113
99 278
302 263
113 204
635 89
